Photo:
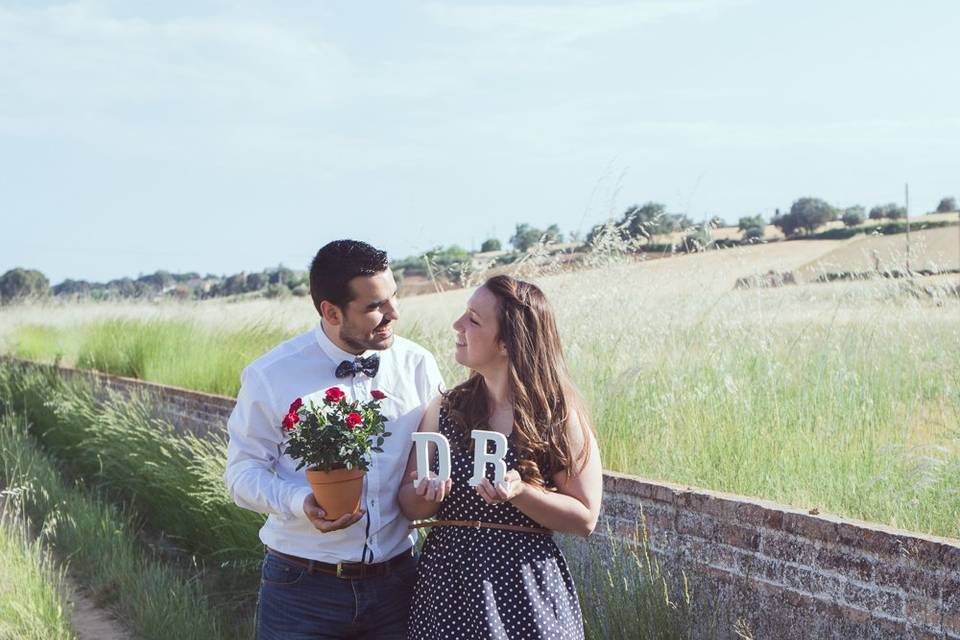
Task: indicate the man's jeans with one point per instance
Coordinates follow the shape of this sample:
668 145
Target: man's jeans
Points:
295 604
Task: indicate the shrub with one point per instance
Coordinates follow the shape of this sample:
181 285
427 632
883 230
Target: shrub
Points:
947 205
890 210
491 244
853 216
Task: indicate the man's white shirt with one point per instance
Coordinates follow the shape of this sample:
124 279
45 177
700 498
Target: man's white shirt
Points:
260 478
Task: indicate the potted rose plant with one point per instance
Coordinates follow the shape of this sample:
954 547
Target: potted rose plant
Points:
333 441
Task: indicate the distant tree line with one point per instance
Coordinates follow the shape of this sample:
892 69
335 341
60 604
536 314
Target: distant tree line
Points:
19 284
638 229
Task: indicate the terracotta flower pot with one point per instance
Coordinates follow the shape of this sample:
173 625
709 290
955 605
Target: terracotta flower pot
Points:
337 492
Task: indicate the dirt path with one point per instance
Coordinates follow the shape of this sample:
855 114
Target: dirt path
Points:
91 622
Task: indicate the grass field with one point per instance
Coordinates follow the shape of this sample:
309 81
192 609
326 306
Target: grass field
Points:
842 396
933 249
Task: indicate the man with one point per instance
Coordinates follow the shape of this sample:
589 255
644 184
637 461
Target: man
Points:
352 577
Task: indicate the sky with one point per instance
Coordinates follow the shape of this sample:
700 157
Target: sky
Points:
219 136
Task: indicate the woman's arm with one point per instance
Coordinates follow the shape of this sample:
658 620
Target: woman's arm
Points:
423 501
575 506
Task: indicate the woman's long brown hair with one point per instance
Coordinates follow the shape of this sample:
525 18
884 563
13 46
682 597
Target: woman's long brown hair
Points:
543 395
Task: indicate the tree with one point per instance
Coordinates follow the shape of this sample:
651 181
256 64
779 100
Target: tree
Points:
752 227
652 220
552 234
889 210
810 213
235 284
282 275
787 223
853 216
257 281
490 245
18 283
72 288
446 256
527 236
947 205
749 222
894 212
158 281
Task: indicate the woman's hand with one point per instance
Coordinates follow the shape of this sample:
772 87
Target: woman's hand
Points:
431 489
511 487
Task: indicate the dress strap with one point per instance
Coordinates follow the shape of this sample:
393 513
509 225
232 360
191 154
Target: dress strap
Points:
476 524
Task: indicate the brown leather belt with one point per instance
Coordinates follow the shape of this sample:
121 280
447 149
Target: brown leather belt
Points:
345 570
476 524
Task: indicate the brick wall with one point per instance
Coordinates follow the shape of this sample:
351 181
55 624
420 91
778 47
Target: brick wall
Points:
186 410
790 574
782 572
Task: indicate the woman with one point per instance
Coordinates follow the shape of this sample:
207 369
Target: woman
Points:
508 580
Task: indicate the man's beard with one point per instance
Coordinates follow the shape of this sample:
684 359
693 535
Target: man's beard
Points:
361 343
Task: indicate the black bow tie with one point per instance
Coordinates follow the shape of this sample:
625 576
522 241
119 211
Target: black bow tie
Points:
369 366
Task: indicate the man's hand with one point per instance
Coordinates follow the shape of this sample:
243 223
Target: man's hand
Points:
315 513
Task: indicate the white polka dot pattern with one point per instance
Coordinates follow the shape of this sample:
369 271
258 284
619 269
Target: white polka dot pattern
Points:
490 583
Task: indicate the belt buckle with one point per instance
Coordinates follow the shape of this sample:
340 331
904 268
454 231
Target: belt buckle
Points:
339 569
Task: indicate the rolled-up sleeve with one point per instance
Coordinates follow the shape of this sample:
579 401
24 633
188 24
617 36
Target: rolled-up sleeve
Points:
255 443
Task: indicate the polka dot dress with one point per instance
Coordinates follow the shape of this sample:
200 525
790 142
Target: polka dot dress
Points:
490 583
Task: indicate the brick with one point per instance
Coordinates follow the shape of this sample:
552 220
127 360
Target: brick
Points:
845 563
696 524
660 517
951 605
904 576
783 546
758 515
884 628
701 552
810 527
924 612
766 568
626 507
874 599
809 581
732 534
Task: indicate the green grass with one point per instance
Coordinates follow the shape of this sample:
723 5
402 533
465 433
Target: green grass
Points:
32 585
174 352
153 599
625 593
840 397
173 482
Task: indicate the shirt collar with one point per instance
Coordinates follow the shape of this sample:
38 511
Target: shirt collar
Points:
335 353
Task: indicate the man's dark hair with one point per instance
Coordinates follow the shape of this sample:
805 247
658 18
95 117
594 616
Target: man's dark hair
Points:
336 264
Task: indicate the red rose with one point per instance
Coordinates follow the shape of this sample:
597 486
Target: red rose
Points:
296 404
334 394
289 420
378 395
354 419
